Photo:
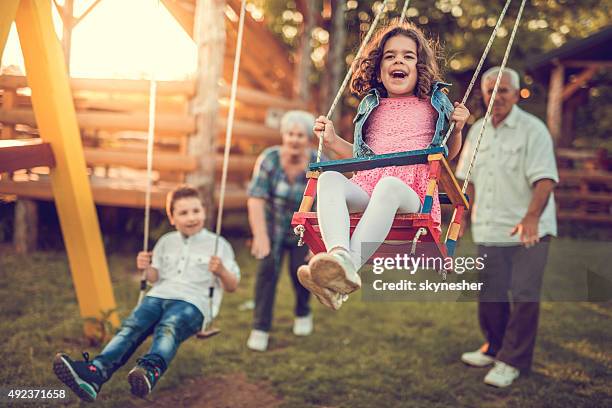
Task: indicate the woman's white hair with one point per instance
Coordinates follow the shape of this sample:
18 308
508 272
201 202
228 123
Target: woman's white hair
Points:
509 72
298 117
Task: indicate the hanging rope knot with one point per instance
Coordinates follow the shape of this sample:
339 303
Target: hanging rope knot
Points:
415 240
299 231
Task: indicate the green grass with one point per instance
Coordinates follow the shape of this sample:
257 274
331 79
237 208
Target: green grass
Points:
368 354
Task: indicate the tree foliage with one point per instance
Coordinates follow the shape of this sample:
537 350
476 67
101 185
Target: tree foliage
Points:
462 28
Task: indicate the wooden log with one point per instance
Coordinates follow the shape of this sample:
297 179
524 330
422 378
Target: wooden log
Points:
8 11
117 193
584 217
304 67
8 102
578 82
52 102
587 63
571 197
554 107
209 34
25 229
168 123
336 55
164 88
163 161
25 154
594 176
67 16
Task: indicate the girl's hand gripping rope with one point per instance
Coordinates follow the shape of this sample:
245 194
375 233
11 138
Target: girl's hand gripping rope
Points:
325 127
460 116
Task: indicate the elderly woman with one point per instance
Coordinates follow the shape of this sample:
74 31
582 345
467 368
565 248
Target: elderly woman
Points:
275 192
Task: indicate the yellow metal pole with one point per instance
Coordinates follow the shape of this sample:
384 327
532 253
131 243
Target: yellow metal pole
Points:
56 119
8 10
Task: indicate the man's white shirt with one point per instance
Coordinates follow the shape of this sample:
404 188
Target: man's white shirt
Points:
510 159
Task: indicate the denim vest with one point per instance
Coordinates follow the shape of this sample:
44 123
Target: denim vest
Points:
439 101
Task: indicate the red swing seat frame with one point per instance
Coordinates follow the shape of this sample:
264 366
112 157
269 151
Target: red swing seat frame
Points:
405 227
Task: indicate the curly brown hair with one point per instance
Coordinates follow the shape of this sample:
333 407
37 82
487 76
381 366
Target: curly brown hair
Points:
366 68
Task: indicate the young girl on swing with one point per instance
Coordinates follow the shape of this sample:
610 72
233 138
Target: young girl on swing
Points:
404 107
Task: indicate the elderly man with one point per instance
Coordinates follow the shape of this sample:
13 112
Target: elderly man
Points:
513 218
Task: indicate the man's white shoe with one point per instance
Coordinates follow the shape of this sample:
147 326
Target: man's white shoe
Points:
477 359
302 326
501 375
335 271
258 340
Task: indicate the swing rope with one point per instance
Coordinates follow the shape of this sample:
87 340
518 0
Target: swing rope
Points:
404 9
230 124
349 73
493 95
206 332
478 68
150 145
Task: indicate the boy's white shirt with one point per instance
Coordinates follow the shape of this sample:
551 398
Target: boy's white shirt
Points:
182 264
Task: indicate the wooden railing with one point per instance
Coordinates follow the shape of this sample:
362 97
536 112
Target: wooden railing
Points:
584 193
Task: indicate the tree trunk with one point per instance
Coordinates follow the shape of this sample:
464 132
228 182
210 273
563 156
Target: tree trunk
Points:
209 34
25 229
304 66
554 108
337 42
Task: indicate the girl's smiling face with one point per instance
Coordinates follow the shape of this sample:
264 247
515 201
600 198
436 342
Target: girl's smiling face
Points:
398 71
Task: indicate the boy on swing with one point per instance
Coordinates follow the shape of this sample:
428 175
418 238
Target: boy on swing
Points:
181 269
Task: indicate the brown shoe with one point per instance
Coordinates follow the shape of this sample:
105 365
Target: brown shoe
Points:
326 297
335 271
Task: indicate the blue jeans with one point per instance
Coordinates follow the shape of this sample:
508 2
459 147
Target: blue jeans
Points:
170 321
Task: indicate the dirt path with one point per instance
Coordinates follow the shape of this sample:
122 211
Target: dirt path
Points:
228 391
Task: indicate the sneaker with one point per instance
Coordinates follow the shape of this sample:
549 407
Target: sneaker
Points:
501 375
477 358
143 377
302 326
335 271
326 297
258 340
82 377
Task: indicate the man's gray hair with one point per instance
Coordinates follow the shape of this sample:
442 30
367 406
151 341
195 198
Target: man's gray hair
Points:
509 72
298 117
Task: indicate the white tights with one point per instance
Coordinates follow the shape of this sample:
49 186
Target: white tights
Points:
337 197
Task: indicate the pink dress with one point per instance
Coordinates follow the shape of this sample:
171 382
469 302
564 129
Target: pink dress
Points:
399 125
